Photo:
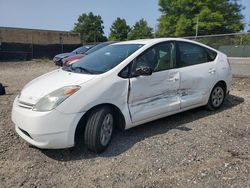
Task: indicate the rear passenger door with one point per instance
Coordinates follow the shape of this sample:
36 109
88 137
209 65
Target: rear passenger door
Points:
198 74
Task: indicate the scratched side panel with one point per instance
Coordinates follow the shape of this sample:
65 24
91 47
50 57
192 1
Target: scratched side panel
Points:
196 83
154 95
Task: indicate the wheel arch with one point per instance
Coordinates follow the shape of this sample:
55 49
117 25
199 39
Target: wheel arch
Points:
119 119
223 83
218 82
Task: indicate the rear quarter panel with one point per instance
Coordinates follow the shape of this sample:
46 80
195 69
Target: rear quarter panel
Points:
224 70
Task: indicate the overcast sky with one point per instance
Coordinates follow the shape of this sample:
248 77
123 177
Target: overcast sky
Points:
62 14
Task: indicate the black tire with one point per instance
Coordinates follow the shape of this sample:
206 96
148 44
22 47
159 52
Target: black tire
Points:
2 90
217 97
100 125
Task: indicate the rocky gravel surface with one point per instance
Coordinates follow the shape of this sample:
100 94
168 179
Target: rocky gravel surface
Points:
240 67
197 148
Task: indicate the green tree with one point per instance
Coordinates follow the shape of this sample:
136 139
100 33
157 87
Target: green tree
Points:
119 30
179 18
91 27
140 30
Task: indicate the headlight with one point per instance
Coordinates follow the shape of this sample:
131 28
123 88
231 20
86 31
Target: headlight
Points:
52 100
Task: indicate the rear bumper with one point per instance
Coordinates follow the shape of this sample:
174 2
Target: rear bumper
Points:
52 130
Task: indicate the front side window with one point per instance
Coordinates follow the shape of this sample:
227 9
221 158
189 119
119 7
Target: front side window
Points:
192 54
104 59
159 57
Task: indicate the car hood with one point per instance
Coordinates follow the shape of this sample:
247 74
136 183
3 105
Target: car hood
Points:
63 55
45 84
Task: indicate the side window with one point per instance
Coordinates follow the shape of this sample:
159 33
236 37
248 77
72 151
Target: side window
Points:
147 58
159 57
191 54
211 54
125 72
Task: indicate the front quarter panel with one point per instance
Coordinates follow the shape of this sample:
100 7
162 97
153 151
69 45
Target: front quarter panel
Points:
105 89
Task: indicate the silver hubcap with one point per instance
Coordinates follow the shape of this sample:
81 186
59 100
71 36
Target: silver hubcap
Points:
217 96
106 129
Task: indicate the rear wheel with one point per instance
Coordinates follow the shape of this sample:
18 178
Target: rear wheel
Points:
99 129
217 97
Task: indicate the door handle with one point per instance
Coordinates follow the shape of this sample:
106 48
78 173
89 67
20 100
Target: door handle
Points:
173 79
212 71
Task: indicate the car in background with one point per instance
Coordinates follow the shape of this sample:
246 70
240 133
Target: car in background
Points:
2 89
120 86
58 58
74 58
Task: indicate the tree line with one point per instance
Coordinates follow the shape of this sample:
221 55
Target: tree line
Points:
178 19
91 27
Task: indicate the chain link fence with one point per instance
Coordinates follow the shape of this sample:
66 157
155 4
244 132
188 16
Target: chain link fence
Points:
234 45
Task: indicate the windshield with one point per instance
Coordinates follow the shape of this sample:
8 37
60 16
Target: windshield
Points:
96 47
104 59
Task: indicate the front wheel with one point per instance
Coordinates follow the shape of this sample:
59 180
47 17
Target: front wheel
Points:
99 129
217 97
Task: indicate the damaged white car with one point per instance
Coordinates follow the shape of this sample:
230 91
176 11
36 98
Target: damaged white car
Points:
122 85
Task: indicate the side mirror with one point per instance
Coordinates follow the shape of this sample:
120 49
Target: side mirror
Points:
143 71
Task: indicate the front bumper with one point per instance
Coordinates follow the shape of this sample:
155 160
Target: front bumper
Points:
51 130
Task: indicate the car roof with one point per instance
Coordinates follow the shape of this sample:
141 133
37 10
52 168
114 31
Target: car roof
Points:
146 41
157 40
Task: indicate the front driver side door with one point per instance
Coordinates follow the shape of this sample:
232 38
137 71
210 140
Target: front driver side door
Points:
157 94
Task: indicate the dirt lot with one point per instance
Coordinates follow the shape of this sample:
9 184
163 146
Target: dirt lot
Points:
197 148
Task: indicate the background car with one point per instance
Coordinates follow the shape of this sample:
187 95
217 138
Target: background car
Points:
2 89
58 58
74 58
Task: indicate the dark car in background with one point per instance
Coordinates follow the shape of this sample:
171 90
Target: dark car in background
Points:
74 58
58 58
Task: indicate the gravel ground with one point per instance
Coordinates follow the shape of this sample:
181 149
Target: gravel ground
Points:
197 148
240 67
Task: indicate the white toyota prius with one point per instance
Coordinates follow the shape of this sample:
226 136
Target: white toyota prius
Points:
121 85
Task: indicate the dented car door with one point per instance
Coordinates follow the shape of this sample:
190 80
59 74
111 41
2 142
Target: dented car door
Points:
156 94
198 73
